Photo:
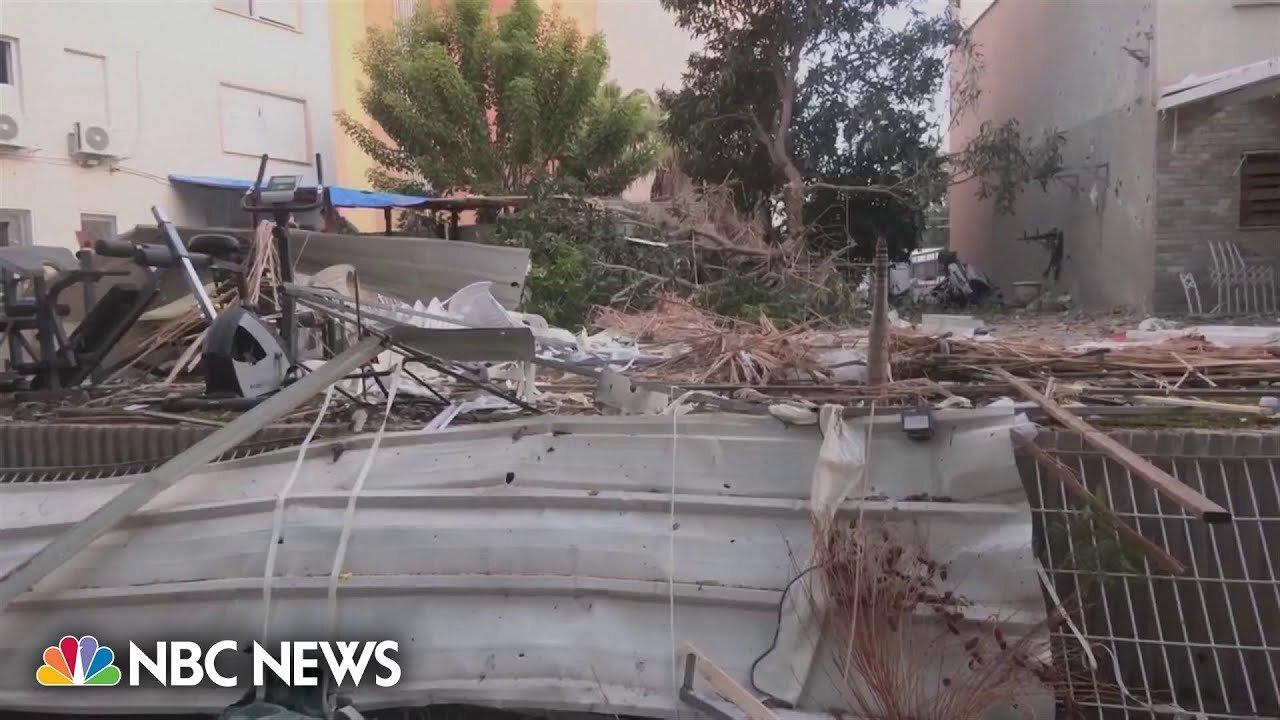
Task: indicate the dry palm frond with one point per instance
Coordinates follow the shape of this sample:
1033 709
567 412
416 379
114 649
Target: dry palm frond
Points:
1173 358
906 650
705 217
715 347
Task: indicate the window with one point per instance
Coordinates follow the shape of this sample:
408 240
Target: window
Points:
1260 189
256 122
277 12
86 80
8 61
94 227
15 227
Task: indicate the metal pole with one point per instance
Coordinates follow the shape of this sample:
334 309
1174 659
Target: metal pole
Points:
184 261
26 574
288 318
85 256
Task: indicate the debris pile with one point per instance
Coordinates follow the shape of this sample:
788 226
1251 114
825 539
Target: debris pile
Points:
701 347
373 362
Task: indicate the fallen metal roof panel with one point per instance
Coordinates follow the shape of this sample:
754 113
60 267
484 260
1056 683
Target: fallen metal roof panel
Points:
1195 88
413 268
522 564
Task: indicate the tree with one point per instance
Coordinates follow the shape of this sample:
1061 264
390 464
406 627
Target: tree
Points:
470 102
828 105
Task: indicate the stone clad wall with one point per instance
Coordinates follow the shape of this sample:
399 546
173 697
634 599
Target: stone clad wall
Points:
1198 159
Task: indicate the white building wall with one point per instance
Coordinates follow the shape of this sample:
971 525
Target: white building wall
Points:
186 87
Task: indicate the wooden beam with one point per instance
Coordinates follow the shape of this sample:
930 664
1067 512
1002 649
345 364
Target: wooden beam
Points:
725 686
1162 482
27 573
1230 408
1058 470
878 334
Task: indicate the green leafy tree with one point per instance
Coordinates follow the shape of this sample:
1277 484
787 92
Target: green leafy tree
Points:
470 102
827 107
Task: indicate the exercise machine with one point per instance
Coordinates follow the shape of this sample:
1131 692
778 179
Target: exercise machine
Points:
32 311
42 355
242 355
280 197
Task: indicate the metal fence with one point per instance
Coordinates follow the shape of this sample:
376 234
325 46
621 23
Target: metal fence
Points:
1202 645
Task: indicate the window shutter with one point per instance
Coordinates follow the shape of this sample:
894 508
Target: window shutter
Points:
1260 190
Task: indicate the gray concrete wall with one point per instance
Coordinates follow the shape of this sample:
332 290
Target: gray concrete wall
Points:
1198 192
1064 65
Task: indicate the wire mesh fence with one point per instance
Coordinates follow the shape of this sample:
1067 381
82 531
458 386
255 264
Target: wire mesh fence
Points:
1142 643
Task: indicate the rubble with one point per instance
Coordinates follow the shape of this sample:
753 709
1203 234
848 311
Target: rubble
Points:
673 367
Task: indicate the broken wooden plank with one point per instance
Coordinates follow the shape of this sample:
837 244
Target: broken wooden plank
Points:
1164 483
725 686
1059 471
1229 408
878 338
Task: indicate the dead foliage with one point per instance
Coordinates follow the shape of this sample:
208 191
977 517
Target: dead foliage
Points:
1181 359
705 218
906 649
714 347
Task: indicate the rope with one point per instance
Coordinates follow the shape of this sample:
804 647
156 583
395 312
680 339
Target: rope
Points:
277 517
340 555
674 409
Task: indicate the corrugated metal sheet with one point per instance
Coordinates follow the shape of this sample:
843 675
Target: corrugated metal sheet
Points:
535 563
410 268
415 268
57 451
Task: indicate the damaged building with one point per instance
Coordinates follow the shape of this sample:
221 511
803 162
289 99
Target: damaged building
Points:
1169 195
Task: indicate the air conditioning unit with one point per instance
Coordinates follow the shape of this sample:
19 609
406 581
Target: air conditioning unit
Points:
92 141
12 129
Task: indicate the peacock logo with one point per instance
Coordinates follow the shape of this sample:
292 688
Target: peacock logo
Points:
78 662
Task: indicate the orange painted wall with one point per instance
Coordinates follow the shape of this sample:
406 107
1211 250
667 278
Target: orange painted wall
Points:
349 22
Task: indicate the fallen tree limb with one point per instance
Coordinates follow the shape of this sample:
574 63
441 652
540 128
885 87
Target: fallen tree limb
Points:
1164 483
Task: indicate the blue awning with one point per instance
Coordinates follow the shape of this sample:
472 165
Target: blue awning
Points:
339 196
353 198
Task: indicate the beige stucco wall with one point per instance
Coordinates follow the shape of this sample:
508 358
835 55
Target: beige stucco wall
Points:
1201 37
165 63
646 49
1063 65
